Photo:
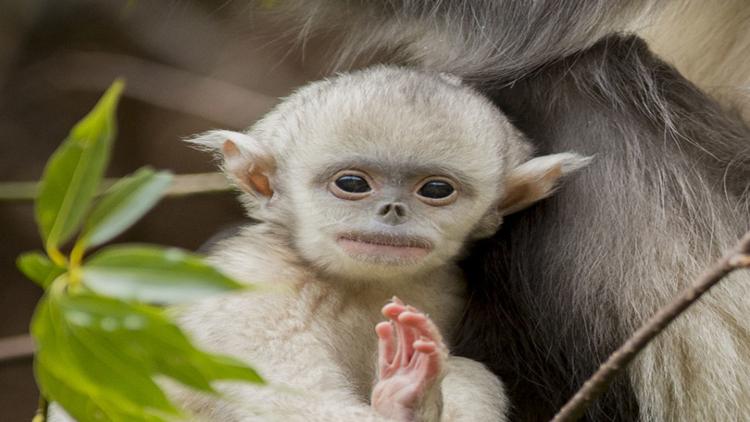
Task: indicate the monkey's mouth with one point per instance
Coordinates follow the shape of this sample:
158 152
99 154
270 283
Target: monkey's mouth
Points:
385 248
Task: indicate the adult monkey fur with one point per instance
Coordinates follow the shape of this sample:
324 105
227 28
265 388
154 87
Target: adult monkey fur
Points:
566 281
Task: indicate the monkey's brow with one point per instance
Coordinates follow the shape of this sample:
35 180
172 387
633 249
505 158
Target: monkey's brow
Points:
405 169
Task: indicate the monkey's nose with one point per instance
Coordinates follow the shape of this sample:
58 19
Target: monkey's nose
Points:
392 213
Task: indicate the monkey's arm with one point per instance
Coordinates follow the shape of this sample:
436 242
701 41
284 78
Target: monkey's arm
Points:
472 393
469 393
304 382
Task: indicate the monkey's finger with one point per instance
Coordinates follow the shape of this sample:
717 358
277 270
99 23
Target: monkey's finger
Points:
402 351
405 336
422 349
386 345
422 324
408 335
430 362
392 310
425 346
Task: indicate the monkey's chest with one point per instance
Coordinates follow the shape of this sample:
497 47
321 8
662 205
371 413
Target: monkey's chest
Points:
343 324
350 343
355 351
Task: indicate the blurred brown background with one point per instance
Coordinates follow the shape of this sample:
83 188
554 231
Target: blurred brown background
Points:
190 65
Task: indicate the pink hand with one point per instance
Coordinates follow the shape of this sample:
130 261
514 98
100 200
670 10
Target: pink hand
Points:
409 363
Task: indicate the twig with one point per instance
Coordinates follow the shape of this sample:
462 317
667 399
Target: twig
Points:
16 347
182 185
41 410
739 257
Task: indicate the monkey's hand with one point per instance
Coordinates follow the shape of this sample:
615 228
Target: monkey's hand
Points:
411 361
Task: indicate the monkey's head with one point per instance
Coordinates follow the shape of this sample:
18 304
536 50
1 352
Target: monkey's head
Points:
385 171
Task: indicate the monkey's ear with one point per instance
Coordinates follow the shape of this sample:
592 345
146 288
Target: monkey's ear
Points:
537 179
245 159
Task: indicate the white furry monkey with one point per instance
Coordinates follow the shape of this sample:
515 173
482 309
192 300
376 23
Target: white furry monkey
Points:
365 187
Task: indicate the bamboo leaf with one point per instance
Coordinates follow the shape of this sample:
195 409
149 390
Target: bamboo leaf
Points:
74 171
154 275
124 204
37 267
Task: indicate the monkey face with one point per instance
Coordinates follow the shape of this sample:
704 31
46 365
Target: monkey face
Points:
369 216
393 205
386 172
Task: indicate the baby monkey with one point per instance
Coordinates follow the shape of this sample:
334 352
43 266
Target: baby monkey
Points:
365 188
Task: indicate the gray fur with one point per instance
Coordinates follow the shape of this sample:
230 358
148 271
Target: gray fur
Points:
577 274
481 40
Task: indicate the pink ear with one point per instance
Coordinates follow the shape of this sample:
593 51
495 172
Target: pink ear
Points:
230 150
250 170
537 179
246 159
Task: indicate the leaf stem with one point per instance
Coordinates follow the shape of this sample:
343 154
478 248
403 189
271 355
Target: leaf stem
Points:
41 410
76 257
56 256
182 185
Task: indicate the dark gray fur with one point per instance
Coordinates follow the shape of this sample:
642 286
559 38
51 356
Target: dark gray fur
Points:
553 291
566 281
487 40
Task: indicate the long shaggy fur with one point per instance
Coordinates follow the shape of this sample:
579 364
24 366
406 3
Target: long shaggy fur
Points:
709 43
568 280
487 40
498 41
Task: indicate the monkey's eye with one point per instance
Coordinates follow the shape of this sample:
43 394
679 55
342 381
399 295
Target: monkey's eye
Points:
437 192
351 185
436 189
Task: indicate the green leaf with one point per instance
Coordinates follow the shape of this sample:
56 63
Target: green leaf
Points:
97 357
37 267
84 383
227 368
147 336
74 171
76 402
124 204
152 274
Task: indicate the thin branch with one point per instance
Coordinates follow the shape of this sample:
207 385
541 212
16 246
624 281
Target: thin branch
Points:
199 183
739 257
182 185
16 347
41 410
